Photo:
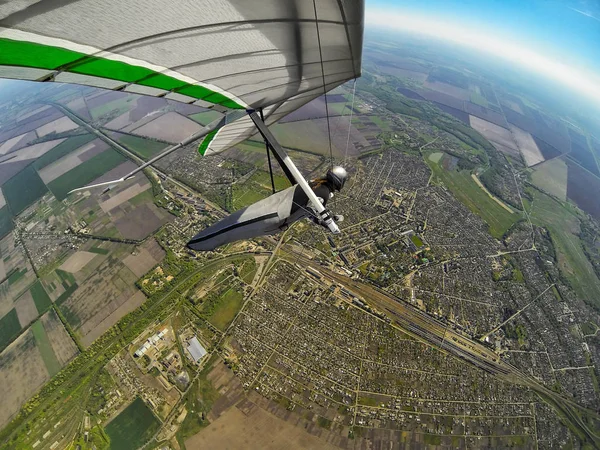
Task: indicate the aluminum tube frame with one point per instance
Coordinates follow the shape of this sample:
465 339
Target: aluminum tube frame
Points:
323 212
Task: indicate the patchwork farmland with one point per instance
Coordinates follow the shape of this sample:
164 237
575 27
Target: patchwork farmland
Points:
514 125
43 155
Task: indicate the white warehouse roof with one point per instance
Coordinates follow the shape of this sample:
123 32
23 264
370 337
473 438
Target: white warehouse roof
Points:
196 350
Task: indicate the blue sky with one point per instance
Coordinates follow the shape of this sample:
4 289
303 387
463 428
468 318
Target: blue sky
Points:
568 30
558 39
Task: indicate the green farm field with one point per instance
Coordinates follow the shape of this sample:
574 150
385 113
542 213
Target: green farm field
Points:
62 149
551 177
65 296
206 117
9 327
85 173
339 109
98 250
226 309
16 275
40 297
141 198
252 146
563 225
263 179
132 427
368 401
243 196
67 278
23 189
6 223
247 270
43 343
466 190
144 148
302 135
383 126
119 106
256 188
479 99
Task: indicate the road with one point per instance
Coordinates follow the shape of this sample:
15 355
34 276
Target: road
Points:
434 332
515 314
428 144
207 358
417 322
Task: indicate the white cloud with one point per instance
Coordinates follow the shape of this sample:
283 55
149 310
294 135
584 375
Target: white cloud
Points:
585 83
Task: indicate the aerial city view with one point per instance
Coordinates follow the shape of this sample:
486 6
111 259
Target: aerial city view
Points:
284 224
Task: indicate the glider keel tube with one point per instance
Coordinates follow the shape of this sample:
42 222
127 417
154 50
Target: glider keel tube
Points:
289 164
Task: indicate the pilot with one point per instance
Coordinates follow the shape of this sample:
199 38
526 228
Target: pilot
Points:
272 214
324 188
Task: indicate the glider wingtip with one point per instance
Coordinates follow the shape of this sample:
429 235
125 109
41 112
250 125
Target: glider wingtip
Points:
109 185
74 190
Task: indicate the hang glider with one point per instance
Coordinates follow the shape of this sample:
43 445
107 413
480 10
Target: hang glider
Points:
234 56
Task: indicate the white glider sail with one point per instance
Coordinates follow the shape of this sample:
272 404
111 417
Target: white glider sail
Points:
274 55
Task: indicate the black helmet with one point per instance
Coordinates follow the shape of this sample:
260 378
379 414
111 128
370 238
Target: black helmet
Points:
337 176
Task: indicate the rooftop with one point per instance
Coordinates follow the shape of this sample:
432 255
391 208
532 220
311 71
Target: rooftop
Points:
196 350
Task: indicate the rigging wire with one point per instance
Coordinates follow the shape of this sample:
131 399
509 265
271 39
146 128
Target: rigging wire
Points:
350 123
308 211
262 117
324 87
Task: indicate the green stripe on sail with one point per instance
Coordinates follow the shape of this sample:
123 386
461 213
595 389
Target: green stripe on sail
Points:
196 91
29 54
206 141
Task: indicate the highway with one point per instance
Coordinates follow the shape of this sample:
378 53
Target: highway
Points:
438 334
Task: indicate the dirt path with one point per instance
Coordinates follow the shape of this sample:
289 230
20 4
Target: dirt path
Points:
496 199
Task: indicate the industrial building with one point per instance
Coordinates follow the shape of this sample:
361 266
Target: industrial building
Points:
197 352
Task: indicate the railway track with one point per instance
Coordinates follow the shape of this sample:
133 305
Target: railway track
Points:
438 334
